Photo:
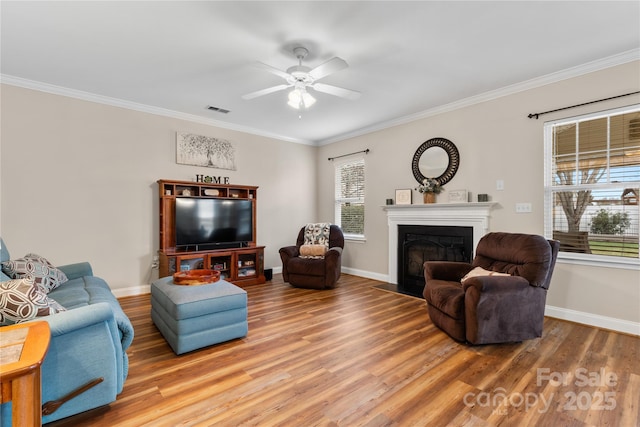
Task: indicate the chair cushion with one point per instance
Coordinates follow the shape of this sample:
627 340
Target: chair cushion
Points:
448 297
306 266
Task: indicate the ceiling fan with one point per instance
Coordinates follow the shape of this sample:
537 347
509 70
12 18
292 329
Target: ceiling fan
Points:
302 78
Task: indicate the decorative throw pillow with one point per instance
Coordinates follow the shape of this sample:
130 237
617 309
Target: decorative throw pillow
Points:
22 300
317 234
312 251
479 271
37 267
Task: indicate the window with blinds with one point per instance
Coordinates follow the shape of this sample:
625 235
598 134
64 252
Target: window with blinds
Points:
592 181
349 197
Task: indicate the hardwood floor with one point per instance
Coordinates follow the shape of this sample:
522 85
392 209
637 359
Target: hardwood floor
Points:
361 356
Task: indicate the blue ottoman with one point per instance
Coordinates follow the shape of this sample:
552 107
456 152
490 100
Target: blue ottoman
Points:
192 317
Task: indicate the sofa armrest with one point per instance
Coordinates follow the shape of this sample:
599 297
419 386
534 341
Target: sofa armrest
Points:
451 271
333 261
334 252
84 321
333 266
496 284
77 270
85 345
502 309
286 253
289 251
78 318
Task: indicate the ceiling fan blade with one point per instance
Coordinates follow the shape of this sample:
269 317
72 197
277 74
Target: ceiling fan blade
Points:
265 91
337 91
273 70
329 67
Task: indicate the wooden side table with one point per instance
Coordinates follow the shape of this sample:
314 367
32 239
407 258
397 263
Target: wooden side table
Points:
22 350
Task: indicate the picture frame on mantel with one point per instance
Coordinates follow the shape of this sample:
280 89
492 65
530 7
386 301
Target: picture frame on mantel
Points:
458 196
403 196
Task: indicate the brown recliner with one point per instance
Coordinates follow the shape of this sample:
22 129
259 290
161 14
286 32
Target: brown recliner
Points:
320 273
493 309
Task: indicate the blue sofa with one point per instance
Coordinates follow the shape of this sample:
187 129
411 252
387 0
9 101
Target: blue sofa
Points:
88 341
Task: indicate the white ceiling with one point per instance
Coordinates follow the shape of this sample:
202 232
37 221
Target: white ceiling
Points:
407 58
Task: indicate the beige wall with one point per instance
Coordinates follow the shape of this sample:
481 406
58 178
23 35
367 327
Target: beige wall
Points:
496 141
78 182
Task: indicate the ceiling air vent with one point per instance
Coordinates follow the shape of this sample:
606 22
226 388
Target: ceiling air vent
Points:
217 109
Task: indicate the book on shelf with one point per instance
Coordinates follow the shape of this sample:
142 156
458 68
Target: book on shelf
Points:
246 272
220 266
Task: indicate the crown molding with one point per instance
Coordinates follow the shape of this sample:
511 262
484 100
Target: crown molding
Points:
121 103
597 65
590 67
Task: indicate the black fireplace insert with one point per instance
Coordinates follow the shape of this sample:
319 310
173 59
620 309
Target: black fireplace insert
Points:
420 243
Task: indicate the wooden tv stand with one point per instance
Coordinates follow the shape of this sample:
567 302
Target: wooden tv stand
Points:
241 265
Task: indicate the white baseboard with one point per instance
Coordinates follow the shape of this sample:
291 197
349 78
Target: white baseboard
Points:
605 322
134 290
591 319
366 274
353 271
596 320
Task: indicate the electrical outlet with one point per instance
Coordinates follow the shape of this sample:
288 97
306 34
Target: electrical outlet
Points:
155 264
523 207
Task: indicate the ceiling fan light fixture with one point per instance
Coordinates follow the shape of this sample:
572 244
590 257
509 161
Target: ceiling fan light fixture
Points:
301 77
307 99
295 99
300 98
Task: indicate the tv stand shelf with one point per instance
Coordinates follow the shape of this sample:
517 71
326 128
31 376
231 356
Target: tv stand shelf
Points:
241 265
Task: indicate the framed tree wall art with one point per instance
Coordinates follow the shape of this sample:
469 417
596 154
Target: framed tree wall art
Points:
199 150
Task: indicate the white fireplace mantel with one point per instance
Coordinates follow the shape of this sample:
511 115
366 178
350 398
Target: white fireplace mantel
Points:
474 215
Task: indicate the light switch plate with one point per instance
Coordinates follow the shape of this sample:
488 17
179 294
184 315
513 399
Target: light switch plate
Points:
523 207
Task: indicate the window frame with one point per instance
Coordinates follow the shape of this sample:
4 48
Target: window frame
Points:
610 261
338 164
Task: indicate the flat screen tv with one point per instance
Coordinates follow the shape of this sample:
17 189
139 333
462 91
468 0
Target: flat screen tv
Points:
213 223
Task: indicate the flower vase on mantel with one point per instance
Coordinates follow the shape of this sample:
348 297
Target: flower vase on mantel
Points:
429 197
429 188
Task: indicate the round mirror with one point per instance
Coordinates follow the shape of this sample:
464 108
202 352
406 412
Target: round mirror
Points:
434 162
436 158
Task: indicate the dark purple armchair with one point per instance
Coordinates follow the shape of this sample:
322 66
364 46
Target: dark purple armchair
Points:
493 309
313 273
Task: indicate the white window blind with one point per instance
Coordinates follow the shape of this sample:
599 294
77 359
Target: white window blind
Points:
592 182
349 197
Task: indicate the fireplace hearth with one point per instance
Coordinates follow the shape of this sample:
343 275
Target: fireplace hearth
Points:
420 243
